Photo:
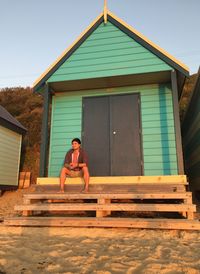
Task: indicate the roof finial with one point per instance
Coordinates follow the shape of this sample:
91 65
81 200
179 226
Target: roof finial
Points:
105 11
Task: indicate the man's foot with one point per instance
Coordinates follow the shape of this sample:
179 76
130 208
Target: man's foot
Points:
62 191
85 190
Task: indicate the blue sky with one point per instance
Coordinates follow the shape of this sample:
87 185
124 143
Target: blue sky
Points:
35 32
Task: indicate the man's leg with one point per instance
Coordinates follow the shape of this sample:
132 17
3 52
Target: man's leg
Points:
63 173
86 177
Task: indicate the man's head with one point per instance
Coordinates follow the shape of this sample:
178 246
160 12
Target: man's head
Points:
76 143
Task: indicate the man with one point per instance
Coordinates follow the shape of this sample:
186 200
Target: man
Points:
75 165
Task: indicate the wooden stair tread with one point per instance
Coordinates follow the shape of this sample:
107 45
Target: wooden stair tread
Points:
103 188
109 207
160 195
147 223
175 179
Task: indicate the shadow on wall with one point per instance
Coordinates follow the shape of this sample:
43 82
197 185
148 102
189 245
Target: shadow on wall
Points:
167 142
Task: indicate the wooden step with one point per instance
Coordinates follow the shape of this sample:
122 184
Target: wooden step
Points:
147 223
142 196
114 188
169 179
107 207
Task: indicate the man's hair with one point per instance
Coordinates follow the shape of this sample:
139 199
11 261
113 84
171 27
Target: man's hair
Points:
76 140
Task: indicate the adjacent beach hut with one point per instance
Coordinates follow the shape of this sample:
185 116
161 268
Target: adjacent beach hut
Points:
11 132
118 92
191 137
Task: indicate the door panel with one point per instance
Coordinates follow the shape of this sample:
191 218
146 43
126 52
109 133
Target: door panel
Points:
111 135
95 135
125 135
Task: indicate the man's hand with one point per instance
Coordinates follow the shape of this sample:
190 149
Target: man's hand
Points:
73 165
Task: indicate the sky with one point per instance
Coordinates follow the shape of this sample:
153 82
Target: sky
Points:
34 33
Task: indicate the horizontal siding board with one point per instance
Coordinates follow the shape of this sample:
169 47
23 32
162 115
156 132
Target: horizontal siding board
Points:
157 132
159 145
170 171
161 123
157 151
9 139
108 52
159 137
62 117
152 98
157 117
160 158
161 165
156 111
74 123
157 104
163 130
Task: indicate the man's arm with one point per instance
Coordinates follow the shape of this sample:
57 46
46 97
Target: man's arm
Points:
67 160
84 160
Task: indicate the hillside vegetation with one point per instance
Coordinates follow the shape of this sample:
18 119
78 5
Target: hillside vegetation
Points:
187 90
27 108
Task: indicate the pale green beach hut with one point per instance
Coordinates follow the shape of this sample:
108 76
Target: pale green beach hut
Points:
11 132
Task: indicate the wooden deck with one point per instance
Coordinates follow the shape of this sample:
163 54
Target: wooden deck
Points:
112 205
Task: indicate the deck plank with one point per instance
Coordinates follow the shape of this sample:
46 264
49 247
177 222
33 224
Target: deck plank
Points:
147 223
161 195
107 207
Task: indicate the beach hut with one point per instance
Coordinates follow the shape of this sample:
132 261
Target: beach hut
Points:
11 132
191 137
118 92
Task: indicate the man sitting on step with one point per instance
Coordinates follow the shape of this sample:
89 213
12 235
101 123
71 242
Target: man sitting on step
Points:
75 165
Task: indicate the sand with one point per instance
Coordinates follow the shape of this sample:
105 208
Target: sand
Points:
94 250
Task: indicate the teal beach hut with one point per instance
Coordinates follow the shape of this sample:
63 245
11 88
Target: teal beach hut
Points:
118 92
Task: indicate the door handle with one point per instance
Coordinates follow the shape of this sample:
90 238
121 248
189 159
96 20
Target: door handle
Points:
114 132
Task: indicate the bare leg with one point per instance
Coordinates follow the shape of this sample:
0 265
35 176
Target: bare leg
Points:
63 173
86 177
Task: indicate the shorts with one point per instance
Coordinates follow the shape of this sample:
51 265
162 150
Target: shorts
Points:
76 173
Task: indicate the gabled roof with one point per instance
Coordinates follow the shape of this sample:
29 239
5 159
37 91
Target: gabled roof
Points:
162 54
8 121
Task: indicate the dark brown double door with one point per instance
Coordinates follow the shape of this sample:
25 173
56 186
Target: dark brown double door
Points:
111 135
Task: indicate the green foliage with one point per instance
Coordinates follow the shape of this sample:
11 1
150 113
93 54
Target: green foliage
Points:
27 108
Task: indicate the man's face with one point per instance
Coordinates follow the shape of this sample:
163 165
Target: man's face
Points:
75 145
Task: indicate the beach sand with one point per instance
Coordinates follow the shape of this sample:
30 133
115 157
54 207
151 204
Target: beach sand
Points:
94 250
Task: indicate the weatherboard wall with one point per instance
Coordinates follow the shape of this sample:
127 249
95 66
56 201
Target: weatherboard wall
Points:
108 51
10 151
158 137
